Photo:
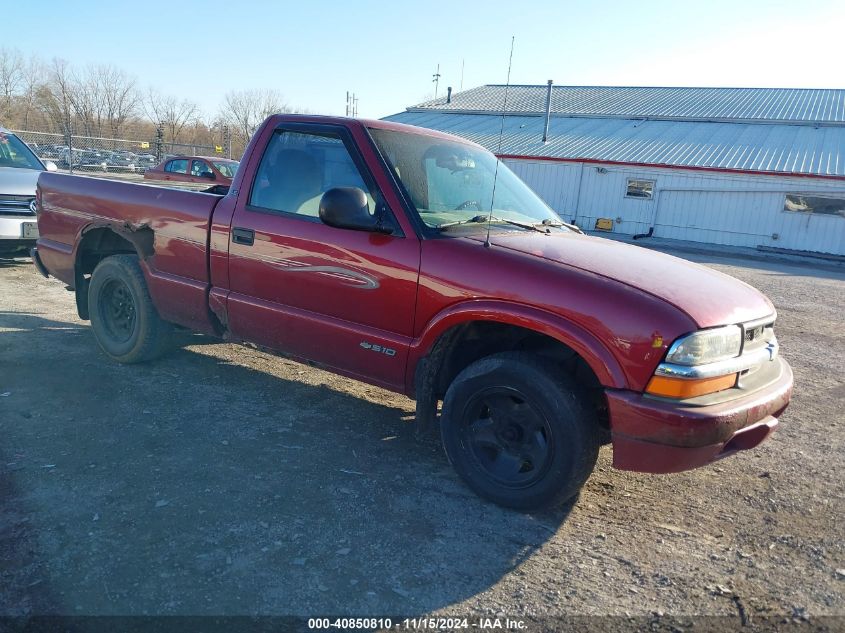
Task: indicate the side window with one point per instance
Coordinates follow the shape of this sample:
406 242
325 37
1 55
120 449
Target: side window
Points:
298 168
817 205
200 167
177 166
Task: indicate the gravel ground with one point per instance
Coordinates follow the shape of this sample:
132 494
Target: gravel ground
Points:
224 480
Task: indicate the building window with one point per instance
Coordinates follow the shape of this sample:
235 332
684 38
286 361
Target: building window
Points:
821 205
642 189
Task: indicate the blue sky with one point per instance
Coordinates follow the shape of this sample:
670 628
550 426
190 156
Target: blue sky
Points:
386 52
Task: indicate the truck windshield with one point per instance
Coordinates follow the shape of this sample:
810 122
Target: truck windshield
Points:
15 153
451 183
227 168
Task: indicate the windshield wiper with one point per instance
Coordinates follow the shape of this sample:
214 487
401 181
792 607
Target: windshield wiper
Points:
475 218
558 223
540 228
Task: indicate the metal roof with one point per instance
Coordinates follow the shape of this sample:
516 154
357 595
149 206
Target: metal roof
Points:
774 105
786 149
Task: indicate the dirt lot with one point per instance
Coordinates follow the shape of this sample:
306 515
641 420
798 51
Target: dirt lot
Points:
223 480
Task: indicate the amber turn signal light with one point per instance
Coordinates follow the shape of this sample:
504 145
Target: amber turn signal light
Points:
668 387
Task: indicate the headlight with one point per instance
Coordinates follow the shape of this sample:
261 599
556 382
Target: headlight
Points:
706 346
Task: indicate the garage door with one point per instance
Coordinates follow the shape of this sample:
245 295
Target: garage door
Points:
718 217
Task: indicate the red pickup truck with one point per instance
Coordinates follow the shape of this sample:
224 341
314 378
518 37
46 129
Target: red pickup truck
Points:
416 261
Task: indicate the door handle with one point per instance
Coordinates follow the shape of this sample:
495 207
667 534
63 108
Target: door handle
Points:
243 236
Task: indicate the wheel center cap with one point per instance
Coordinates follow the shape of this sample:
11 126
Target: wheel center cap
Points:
510 434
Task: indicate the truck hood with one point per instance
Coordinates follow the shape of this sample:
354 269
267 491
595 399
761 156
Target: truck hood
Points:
16 181
709 297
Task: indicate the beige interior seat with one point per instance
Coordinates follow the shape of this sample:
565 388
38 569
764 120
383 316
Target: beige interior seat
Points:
294 184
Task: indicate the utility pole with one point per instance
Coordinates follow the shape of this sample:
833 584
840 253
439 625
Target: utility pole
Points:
436 80
160 141
462 74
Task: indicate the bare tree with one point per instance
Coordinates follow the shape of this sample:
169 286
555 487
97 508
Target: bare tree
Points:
117 96
55 97
11 76
170 112
104 100
245 110
33 72
86 98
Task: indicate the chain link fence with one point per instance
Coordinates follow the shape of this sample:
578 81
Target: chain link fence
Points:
112 155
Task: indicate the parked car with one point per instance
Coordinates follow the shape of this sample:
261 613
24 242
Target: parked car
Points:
68 157
84 159
204 169
94 159
51 151
121 161
143 162
414 260
19 170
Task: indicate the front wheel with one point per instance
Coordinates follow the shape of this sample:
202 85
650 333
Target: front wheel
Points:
124 320
518 432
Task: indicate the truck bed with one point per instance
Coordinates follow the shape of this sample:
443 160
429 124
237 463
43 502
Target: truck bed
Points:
170 227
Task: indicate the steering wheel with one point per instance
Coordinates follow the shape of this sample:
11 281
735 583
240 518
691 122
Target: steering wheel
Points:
466 204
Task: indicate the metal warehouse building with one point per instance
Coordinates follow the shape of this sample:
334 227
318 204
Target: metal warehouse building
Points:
737 166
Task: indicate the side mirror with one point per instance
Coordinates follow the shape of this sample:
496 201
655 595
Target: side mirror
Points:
347 208
50 165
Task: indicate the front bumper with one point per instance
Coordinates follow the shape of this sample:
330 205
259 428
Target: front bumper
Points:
659 436
11 227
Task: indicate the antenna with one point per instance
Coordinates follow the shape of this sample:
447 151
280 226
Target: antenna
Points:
435 79
499 147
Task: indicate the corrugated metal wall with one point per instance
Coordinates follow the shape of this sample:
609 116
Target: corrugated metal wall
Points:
730 209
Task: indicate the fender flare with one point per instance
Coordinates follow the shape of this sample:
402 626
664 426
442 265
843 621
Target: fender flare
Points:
141 238
594 352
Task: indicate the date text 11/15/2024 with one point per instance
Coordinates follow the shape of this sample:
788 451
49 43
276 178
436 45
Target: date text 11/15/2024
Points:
414 624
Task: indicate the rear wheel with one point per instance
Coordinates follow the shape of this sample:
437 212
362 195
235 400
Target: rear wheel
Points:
517 431
124 320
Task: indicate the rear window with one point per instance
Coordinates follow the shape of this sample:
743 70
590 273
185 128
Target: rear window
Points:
15 153
226 168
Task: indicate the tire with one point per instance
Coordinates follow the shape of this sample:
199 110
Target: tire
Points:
124 320
517 431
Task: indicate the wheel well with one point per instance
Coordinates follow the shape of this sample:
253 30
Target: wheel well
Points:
462 345
96 245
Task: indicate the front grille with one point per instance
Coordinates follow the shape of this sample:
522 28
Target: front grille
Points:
753 333
758 335
16 205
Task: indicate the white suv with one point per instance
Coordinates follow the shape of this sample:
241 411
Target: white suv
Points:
19 170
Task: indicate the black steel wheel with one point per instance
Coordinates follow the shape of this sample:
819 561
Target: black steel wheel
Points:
116 309
124 320
508 437
518 432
